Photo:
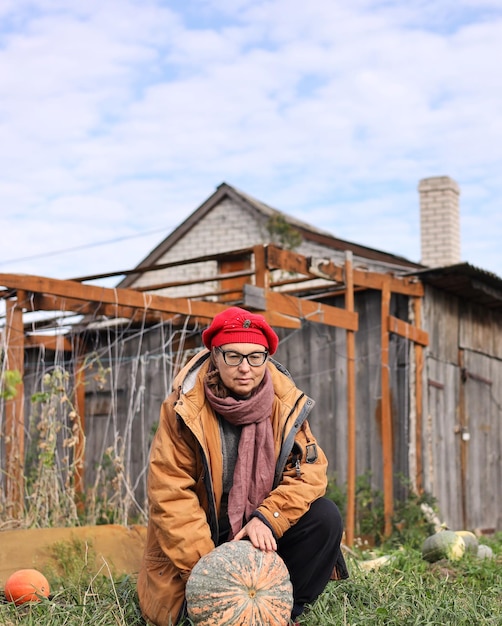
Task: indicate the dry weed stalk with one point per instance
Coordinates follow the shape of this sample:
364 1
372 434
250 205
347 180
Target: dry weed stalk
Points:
52 465
50 486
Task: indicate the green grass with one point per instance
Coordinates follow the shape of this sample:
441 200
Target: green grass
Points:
101 603
407 591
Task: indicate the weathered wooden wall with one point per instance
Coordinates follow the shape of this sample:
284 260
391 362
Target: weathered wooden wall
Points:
462 437
130 371
316 358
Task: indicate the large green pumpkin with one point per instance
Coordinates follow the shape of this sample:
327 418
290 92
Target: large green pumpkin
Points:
236 584
445 544
470 540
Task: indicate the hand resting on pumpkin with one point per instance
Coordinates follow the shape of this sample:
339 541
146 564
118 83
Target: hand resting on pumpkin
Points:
259 534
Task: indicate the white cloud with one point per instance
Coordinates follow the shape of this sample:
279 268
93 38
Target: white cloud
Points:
121 117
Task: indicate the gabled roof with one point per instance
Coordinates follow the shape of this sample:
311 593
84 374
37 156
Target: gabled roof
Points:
308 232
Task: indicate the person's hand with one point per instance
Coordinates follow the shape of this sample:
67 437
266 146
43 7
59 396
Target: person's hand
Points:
259 534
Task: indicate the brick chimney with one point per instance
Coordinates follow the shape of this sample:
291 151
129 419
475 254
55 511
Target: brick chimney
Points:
439 221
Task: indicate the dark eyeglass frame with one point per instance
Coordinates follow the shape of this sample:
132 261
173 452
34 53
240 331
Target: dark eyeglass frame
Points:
243 356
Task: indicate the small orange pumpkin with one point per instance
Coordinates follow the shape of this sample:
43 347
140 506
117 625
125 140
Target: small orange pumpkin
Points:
26 585
238 584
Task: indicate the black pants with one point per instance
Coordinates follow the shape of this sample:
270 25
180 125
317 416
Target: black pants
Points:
311 551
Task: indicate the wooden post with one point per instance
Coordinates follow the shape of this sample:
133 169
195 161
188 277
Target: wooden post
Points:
233 265
386 414
14 408
260 267
351 408
419 367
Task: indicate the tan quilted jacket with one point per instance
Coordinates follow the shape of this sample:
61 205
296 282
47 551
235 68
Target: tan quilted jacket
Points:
185 483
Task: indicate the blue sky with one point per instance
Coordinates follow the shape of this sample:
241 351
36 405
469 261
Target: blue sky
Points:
119 118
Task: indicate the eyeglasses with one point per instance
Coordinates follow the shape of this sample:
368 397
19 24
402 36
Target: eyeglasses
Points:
255 359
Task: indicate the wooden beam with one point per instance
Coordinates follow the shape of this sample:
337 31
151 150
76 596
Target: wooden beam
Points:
255 299
351 407
328 270
287 260
233 273
221 277
260 267
14 410
314 311
408 331
301 309
274 318
298 281
407 286
162 266
370 280
56 343
114 297
386 415
48 302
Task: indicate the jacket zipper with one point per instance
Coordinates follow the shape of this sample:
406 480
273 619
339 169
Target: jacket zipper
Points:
208 482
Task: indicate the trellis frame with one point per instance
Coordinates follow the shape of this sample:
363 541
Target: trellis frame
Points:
252 287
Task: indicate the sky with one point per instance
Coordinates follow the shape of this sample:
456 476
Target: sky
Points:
119 118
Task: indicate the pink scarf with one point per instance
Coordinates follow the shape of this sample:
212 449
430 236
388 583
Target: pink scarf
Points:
254 470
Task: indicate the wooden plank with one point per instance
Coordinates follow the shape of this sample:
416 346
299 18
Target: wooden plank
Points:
54 303
223 277
14 410
255 299
286 260
274 318
313 311
351 408
370 280
116 297
408 331
328 270
233 273
161 266
57 343
297 284
481 438
260 267
48 302
386 416
409 286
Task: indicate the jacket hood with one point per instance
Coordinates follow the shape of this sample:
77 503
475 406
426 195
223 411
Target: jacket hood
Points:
187 376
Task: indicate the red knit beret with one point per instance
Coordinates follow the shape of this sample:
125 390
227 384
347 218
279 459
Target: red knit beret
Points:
235 325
